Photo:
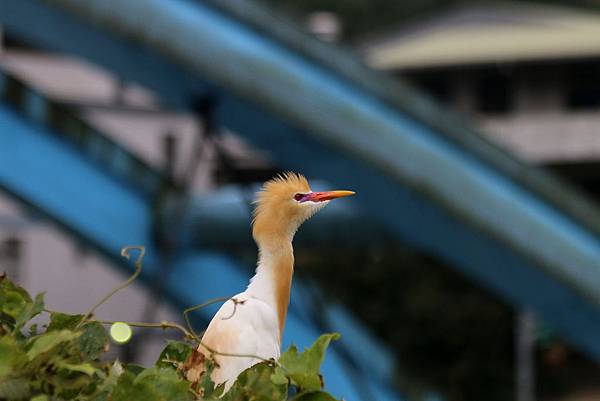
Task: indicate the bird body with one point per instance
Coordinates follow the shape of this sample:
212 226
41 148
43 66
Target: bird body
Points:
251 324
253 332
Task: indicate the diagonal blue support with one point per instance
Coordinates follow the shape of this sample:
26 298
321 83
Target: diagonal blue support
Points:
37 168
73 130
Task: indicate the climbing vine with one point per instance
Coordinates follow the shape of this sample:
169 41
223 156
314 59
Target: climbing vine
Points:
63 360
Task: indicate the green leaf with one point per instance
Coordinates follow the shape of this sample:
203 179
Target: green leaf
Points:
14 293
134 368
279 376
174 352
254 384
47 341
14 388
7 319
314 396
16 306
168 384
86 368
62 321
125 390
303 368
33 330
38 305
105 388
156 384
218 392
68 384
93 341
297 369
40 397
12 356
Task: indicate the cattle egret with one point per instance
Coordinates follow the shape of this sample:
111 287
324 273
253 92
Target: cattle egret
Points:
252 322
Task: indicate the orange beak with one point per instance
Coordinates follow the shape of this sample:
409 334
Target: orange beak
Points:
328 195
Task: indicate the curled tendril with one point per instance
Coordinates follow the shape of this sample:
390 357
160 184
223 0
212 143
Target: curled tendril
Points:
235 304
187 311
125 252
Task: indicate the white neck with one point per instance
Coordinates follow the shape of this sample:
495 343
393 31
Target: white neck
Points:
273 279
263 283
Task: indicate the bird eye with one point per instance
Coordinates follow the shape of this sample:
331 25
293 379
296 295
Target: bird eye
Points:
298 197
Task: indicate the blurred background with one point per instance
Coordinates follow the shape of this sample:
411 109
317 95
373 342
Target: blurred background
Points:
467 267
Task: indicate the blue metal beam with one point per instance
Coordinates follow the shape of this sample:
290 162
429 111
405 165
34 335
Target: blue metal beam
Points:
99 148
435 193
41 170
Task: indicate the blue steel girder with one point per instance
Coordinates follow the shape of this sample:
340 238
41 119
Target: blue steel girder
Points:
63 121
40 169
511 234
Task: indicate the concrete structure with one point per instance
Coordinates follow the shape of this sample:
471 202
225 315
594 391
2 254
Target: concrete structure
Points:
529 75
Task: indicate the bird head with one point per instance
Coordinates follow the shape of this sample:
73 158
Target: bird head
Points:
284 203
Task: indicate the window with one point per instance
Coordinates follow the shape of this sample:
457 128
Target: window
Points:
494 93
583 86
